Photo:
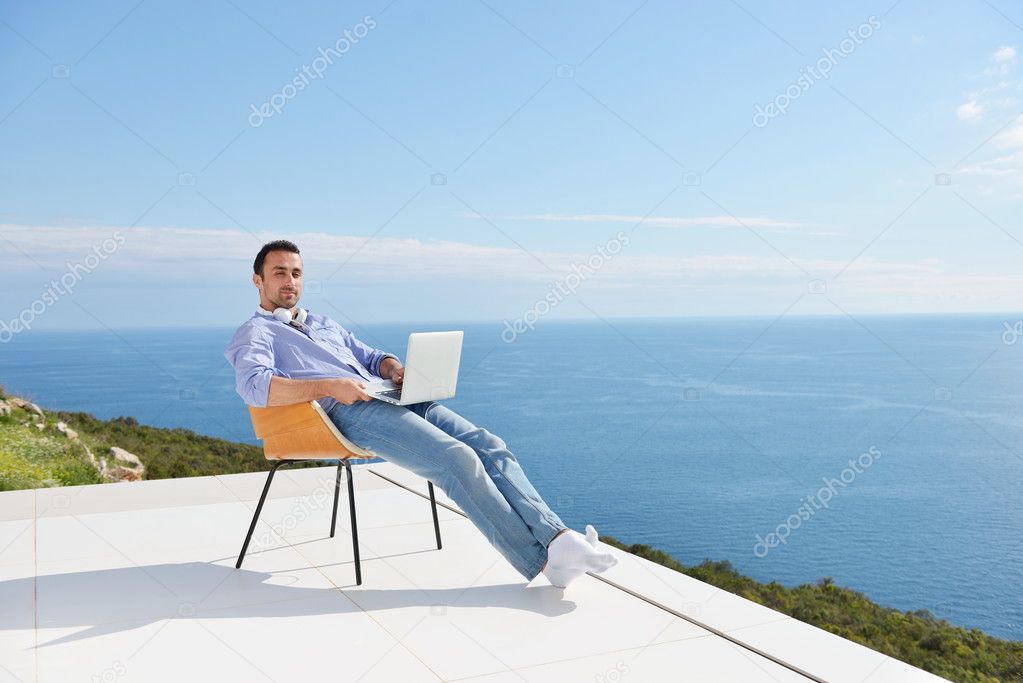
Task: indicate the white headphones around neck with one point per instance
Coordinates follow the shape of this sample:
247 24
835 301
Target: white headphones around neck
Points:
284 315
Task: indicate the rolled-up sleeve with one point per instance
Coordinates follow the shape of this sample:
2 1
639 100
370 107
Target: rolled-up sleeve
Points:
365 354
252 356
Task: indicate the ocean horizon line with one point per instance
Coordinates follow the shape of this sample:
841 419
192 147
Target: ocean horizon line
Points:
592 319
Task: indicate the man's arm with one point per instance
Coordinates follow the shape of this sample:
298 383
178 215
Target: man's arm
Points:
260 384
372 359
285 391
251 354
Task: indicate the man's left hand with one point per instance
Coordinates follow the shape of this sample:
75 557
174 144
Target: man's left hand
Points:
398 376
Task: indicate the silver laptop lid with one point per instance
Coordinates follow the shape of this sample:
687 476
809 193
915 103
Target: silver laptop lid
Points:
431 366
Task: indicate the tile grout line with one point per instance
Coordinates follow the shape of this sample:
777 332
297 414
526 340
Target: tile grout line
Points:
695 622
397 640
35 584
321 572
715 631
613 584
618 651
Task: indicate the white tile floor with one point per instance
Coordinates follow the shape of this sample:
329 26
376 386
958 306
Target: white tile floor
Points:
136 582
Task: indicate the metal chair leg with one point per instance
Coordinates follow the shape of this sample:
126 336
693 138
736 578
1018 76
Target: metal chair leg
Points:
259 507
337 492
355 526
433 506
343 463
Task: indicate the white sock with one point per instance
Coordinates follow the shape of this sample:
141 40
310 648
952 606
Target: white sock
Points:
571 555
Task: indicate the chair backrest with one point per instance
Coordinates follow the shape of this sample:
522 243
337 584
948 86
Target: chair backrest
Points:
301 431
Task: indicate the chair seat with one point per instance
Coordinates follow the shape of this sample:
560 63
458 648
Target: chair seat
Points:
302 431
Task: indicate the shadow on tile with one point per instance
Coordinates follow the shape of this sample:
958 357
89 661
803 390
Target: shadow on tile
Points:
125 598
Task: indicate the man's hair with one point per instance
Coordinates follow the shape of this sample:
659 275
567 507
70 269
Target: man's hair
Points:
276 245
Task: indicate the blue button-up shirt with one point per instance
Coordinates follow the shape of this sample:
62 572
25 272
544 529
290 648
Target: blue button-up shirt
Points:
318 349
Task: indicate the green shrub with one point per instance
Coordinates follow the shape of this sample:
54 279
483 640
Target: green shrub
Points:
917 638
166 453
32 459
18 473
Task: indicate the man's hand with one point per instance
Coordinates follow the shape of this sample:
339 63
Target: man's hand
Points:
392 370
347 390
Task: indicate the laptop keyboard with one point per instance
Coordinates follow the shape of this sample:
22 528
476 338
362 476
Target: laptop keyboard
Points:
393 393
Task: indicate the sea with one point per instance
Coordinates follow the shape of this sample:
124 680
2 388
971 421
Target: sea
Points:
884 452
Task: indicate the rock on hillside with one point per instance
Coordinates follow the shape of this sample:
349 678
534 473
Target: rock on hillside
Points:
117 465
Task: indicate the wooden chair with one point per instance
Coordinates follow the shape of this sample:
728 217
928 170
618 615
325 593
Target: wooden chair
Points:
302 432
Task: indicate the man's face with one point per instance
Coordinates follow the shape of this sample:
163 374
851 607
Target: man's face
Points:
281 284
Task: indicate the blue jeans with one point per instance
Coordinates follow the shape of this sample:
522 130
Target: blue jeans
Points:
471 465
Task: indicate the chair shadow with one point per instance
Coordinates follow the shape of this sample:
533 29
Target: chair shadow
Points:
127 598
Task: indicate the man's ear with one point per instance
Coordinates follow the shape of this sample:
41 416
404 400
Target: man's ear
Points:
258 281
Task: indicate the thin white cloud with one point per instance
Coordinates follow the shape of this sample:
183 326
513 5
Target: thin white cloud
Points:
171 258
1002 171
167 250
665 221
1009 162
1006 53
970 109
983 100
1002 61
145 248
1011 137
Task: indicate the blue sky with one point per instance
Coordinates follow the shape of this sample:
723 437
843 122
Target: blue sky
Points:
455 161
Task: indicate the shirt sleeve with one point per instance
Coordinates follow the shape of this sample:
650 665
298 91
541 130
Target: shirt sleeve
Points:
252 356
367 355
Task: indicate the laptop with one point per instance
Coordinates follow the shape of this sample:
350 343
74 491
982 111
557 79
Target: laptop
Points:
431 370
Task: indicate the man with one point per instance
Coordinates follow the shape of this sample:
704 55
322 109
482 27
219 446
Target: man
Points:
278 362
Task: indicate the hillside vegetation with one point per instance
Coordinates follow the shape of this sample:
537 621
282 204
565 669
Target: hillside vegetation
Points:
917 638
167 453
32 456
